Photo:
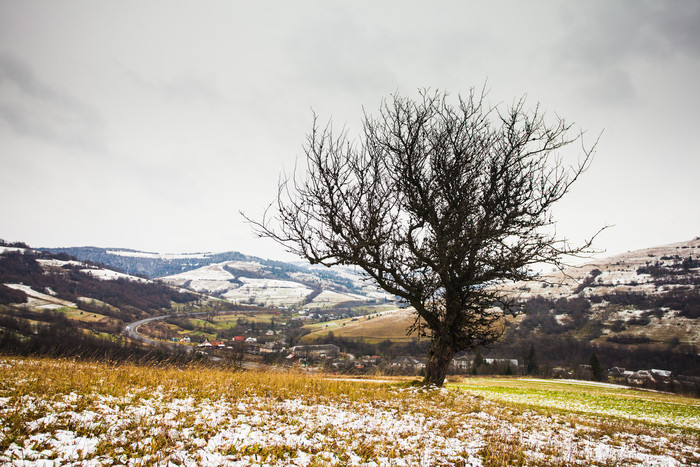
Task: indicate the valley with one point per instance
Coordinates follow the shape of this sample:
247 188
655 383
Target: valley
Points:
239 362
639 310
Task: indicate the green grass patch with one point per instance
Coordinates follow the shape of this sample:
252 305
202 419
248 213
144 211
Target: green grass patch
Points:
83 316
599 400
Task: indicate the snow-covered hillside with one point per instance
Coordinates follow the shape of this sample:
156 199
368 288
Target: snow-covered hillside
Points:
258 283
621 273
240 278
648 297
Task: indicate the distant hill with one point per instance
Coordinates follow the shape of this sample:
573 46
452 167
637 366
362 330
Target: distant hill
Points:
149 264
46 281
55 304
638 309
648 297
239 278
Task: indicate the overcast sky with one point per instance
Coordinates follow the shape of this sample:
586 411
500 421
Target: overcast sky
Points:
151 124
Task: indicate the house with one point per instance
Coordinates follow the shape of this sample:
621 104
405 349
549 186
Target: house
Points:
316 351
407 363
218 344
239 338
662 376
641 377
186 340
272 347
370 359
460 364
205 345
251 340
562 373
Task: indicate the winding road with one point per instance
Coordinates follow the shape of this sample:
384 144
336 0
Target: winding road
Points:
131 331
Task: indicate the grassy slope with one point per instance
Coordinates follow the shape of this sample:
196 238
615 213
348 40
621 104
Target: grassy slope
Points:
392 325
105 414
593 399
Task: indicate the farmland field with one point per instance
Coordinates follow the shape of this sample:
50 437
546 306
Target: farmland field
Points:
67 412
390 325
612 402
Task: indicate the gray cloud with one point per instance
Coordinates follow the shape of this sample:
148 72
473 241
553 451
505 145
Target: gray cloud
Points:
37 110
185 87
342 55
622 31
604 43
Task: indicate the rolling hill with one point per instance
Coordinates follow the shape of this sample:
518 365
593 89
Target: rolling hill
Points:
239 278
637 309
54 304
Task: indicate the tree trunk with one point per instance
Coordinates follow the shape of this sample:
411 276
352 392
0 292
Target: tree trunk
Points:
439 358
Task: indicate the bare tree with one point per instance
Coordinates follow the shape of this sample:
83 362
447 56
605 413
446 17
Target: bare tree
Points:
438 204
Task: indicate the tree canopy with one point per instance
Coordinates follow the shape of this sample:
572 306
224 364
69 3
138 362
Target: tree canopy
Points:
438 203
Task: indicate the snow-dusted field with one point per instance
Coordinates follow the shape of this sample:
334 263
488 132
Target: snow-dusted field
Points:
143 254
213 272
216 279
41 300
108 275
67 413
269 292
328 298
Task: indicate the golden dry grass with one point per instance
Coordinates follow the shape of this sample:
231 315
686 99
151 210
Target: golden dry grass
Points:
371 328
100 413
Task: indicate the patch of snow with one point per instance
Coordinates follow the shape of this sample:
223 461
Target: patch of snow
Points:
578 382
329 298
166 256
40 299
245 266
271 292
58 263
11 249
107 274
212 272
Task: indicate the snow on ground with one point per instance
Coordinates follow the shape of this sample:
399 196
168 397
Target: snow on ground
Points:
271 292
212 272
405 426
328 298
58 263
368 288
245 266
108 275
41 300
579 382
143 254
11 249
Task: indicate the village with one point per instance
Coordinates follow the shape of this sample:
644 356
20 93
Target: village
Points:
329 357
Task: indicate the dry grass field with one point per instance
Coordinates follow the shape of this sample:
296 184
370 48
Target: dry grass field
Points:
372 328
59 412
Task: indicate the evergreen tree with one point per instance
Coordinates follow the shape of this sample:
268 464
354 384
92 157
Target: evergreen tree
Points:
478 361
596 368
531 361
